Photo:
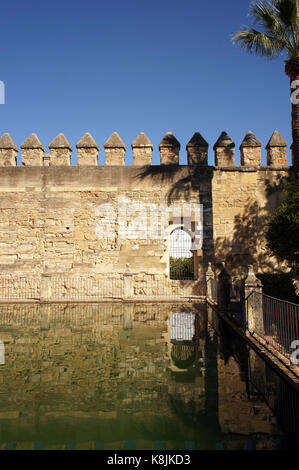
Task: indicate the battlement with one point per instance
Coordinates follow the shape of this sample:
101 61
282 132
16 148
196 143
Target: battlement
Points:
83 224
60 151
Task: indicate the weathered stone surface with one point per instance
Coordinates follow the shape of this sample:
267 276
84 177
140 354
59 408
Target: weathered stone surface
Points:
250 150
114 141
276 151
87 142
8 151
87 221
6 142
197 150
32 151
60 142
142 150
142 141
169 140
250 141
277 156
276 141
60 151
115 150
241 203
224 151
224 140
32 142
87 151
169 150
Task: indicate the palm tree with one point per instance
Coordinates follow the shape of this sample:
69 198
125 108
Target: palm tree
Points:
279 34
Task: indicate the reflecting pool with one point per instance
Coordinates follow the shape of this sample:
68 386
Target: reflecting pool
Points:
136 376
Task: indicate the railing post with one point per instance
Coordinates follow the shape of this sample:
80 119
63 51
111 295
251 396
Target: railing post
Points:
253 303
45 289
224 290
2 353
209 277
236 289
45 311
128 316
128 283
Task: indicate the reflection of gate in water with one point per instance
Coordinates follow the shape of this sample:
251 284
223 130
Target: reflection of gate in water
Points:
182 335
2 353
182 326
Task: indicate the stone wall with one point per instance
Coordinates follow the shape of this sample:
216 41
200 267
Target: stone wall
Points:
82 222
242 201
94 221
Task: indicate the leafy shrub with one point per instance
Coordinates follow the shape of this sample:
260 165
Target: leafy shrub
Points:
282 234
181 268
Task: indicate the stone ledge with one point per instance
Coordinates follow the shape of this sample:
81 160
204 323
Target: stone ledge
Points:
105 300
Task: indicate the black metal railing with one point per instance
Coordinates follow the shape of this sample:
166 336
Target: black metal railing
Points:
17 287
88 288
280 323
214 290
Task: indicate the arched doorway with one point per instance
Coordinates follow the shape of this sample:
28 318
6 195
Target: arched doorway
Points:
181 261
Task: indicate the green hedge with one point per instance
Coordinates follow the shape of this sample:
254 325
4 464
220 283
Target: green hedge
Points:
181 268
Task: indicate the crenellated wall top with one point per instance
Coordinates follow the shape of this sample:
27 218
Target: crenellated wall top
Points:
60 151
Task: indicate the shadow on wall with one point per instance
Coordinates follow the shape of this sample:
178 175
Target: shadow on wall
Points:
247 245
184 180
184 183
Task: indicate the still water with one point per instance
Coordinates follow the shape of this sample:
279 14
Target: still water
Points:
136 376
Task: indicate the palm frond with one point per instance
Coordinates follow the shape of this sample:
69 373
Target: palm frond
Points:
288 14
259 43
287 11
265 14
278 22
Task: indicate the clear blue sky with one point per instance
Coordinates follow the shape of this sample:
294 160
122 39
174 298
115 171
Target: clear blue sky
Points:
155 66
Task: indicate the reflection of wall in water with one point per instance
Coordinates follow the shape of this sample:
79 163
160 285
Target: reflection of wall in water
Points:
239 412
90 360
84 357
264 384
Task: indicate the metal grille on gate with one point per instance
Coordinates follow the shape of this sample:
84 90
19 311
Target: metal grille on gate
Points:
181 256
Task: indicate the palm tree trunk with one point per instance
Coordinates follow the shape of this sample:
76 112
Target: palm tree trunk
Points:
295 134
292 70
